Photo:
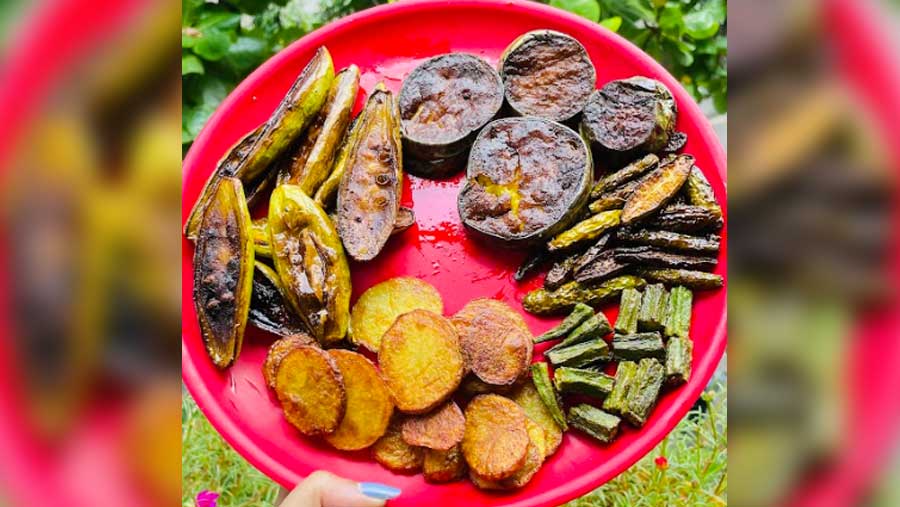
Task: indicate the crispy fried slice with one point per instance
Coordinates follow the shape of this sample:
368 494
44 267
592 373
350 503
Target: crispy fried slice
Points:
395 454
444 466
526 396
472 386
495 340
496 440
421 361
310 388
440 430
369 405
381 304
278 350
533 461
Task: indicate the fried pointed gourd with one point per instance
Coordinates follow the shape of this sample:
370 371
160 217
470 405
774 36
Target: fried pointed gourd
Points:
495 340
311 390
269 308
700 192
588 229
369 195
277 351
527 397
369 406
260 234
393 453
671 240
657 189
544 302
223 272
686 218
310 262
495 443
441 430
628 173
444 466
380 305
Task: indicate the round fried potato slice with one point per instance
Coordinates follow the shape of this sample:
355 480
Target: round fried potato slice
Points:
526 396
421 361
444 466
369 405
495 340
380 305
533 461
440 430
278 350
310 388
395 454
495 443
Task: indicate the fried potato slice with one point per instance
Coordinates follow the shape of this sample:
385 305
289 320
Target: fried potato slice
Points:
278 350
310 388
444 466
394 453
495 340
421 361
380 305
472 386
526 396
369 405
533 461
440 430
495 443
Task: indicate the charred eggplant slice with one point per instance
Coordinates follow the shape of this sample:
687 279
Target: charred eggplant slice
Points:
547 74
269 309
369 195
310 262
223 272
527 179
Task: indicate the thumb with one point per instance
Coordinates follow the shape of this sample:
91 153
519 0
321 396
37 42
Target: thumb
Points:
324 489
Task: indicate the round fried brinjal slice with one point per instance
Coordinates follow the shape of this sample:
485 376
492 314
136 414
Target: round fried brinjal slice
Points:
627 118
527 179
547 74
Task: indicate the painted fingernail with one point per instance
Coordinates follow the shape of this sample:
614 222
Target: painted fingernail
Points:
378 491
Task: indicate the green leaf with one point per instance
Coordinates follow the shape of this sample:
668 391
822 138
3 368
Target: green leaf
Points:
246 53
589 9
306 15
700 24
223 20
613 24
631 11
212 44
190 64
671 20
720 100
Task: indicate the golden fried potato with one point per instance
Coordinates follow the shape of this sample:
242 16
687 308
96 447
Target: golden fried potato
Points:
526 396
278 350
395 454
369 405
444 466
310 388
495 340
421 361
440 430
473 386
496 441
381 304
533 461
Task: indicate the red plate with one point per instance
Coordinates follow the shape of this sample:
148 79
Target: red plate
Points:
386 43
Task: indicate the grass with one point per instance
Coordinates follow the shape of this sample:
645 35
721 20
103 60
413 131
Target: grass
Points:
695 475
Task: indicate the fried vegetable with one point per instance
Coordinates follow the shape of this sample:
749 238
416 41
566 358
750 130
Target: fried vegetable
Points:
582 381
593 253
472 386
250 162
580 354
636 390
269 309
406 218
629 117
534 458
444 466
441 429
495 442
327 192
604 266
634 347
650 256
700 192
223 272
629 308
380 305
310 262
671 240
278 350
527 397
527 179
543 302
532 263
628 173
547 74
595 422
586 230
560 273
393 453
696 280
579 314
540 376
495 340
616 198
259 231
421 361
369 194
676 142
678 312
310 387
369 406
653 308
596 326
657 189
679 354
685 218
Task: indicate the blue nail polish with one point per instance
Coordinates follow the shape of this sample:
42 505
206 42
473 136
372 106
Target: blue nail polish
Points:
378 490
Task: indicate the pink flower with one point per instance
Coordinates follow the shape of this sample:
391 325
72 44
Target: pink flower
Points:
661 462
207 499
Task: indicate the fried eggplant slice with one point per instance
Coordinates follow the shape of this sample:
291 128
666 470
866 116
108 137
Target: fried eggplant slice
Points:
560 273
628 173
580 355
593 253
679 354
527 179
269 309
369 196
441 430
369 406
540 377
629 309
678 312
544 302
393 453
580 313
223 272
436 168
582 381
696 280
657 189
596 326
380 305
670 240
547 74
636 390
589 229
310 262
603 267
532 263
594 422
444 466
495 340
527 397
685 218
421 361
653 308
634 347
651 256
278 350
700 192
495 443
310 387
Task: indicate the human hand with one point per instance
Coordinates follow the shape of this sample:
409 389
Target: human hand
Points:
324 489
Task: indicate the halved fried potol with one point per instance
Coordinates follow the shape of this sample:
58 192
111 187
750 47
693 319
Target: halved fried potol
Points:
527 397
310 388
496 441
495 340
393 453
380 305
369 405
440 430
444 466
278 350
421 361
